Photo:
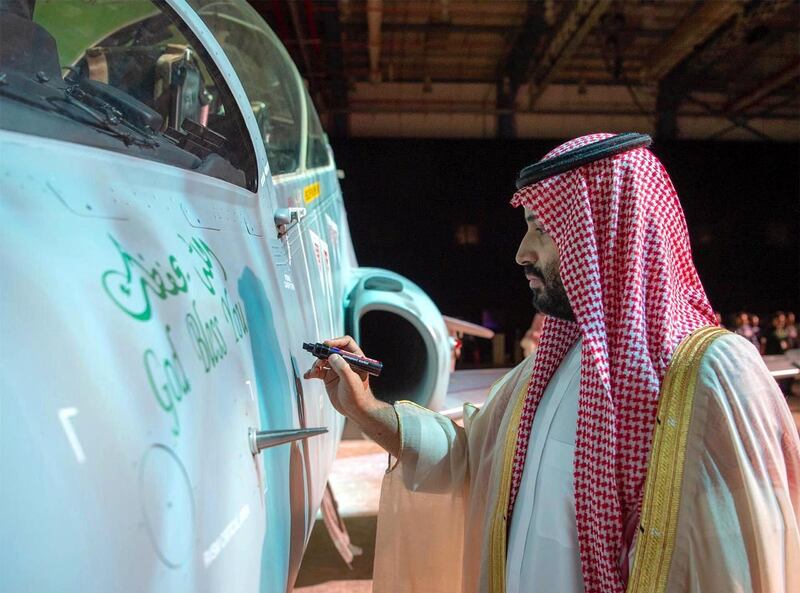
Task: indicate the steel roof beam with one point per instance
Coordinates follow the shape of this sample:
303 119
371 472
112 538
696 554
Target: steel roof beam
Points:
678 83
571 33
298 31
754 97
737 121
336 78
374 26
444 28
515 70
755 13
691 33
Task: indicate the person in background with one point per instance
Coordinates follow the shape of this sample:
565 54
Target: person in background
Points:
794 388
777 339
792 330
530 341
743 327
755 326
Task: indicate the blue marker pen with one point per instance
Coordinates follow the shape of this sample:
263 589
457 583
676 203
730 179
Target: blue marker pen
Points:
360 363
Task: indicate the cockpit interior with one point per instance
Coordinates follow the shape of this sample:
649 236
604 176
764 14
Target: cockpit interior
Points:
130 79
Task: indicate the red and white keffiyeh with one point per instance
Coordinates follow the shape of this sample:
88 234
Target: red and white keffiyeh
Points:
627 270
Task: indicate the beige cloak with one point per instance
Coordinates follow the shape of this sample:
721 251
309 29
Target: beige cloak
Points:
721 502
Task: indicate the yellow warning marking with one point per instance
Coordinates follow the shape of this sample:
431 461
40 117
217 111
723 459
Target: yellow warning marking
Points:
311 192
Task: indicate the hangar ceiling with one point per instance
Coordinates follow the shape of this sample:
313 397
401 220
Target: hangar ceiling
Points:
719 69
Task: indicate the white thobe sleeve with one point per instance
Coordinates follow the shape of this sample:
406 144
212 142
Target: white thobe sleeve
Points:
434 454
434 449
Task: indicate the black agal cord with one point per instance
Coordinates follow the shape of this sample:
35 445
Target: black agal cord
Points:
577 157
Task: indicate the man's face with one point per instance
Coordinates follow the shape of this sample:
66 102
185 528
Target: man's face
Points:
538 255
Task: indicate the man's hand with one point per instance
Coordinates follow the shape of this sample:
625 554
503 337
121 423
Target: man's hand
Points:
347 389
350 394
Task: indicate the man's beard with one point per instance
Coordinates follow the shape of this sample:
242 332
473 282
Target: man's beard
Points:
551 299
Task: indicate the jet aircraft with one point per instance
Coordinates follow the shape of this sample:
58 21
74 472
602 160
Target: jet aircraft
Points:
173 231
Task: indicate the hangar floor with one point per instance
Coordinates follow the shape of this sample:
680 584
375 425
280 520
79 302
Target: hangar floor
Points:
356 479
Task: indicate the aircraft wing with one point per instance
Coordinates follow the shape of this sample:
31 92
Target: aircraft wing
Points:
472 385
469 386
783 366
460 327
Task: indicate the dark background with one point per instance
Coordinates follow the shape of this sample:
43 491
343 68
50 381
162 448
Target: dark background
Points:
406 197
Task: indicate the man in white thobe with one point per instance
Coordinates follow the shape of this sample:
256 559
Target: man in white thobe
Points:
641 448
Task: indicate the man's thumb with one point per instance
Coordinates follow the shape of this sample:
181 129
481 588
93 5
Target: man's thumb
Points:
339 365
345 372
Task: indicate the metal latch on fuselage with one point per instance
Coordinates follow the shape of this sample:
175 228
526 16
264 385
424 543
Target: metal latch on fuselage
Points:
285 218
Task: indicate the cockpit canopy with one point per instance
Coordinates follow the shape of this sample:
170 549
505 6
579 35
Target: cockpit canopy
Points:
132 77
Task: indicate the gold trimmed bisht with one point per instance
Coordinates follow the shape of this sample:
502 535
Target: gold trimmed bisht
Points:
721 502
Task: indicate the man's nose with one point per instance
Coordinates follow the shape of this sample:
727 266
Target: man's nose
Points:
525 254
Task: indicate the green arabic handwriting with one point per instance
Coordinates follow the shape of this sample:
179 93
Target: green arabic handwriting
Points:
209 344
235 316
175 381
131 288
201 249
